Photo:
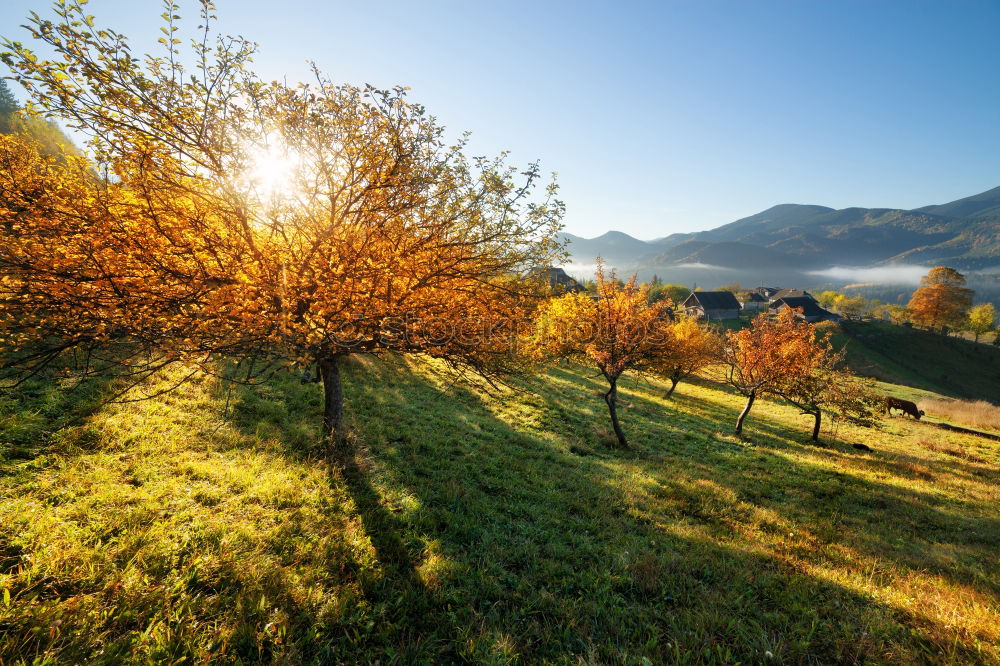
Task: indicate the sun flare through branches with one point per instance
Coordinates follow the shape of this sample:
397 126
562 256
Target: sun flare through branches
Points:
272 169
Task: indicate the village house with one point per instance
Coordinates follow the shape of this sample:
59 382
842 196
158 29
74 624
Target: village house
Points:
560 281
755 301
712 305
767 292
806 308
790 293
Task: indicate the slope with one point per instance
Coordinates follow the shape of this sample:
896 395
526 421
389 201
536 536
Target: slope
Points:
952 366
489 529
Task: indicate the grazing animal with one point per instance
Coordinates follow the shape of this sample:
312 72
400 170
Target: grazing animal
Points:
862 447
905 405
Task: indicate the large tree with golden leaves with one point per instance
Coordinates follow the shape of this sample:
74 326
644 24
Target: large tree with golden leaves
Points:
942 299
617 330
226 217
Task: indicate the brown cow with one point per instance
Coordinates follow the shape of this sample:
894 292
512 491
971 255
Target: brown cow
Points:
905 405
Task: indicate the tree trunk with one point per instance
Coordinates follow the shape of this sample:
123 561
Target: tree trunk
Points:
611 397
819 415
746 410
333 404
673 385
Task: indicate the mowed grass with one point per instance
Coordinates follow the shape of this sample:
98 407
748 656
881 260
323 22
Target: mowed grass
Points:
202 526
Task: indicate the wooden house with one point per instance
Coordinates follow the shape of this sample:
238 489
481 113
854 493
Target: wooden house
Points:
806 308
755 301
790 293
712 305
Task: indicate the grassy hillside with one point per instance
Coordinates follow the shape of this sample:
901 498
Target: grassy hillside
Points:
948 365
490 529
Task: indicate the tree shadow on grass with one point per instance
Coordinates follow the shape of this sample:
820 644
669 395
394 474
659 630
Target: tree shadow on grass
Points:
543 553
32 414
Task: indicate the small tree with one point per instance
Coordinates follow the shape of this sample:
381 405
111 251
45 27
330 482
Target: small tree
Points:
693 347
851 306
617 330
981 319
824 386
942 299
772 351
828 299
674 292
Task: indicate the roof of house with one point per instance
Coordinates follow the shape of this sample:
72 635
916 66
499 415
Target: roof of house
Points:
809 307
713 300
557 277
791 293
756 297
767 291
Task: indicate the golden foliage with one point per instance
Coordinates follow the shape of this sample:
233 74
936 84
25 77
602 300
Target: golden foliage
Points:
383 238
616 330
693 346
942 300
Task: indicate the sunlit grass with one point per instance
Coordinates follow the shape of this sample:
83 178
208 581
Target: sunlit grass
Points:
489 528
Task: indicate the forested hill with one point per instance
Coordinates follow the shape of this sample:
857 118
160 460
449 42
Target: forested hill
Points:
51 139
963 233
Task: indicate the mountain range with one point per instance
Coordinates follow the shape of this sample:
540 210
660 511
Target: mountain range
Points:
964 234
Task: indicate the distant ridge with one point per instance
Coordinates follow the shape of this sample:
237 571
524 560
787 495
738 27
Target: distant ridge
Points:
964 233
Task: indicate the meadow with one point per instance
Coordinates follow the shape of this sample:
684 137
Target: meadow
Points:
486 527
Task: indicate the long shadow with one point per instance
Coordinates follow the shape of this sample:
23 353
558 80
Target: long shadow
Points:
547 555
35 411
403 600
922 514
503 489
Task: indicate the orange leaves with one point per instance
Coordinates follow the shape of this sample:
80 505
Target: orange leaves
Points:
616 329
693 346
943 299
385 238
771 350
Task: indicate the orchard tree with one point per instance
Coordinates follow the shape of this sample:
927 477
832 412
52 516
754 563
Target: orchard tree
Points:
981 319
616 330
773 351
260 222
693 347
942 299
823 385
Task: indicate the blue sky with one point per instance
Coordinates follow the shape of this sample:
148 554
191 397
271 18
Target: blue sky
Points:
665 116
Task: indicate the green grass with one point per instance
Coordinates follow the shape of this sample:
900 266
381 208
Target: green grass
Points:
201 526
945 365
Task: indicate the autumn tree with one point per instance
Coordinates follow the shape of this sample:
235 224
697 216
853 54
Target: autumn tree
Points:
259 222
981 319
616 330
733 287
692 347
828 299
771 352
821 384
674 292
942 300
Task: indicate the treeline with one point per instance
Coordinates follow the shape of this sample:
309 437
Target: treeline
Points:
942 303
51 140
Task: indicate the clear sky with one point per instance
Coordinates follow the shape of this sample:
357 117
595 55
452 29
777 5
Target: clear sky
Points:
664 116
